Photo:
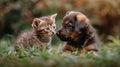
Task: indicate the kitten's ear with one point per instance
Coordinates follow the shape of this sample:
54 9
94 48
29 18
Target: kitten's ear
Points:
36 22
53 16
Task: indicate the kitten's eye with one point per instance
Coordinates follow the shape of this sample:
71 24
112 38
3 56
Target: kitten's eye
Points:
54 27
47 28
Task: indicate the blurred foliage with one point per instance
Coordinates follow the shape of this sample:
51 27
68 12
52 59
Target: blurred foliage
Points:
16 15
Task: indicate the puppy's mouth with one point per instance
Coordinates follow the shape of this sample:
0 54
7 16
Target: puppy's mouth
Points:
63 38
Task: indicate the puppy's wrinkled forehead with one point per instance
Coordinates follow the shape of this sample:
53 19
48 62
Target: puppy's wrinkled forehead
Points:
73 16
69 18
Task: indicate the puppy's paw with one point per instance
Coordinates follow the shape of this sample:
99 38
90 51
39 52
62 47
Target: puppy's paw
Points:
65 53
94 53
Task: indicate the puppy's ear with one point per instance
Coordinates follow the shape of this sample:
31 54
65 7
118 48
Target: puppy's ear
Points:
82 18
90 31
36 22
52 17
81 27
82 23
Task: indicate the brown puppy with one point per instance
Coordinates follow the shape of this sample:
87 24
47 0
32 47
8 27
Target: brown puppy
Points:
78 33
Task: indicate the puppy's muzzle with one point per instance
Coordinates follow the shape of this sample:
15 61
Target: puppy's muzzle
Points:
62 37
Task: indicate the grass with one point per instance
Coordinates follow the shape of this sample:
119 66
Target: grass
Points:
109 56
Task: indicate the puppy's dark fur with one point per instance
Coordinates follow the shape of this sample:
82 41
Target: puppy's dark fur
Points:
78 33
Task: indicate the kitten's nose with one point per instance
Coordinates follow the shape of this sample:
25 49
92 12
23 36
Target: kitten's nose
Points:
53 32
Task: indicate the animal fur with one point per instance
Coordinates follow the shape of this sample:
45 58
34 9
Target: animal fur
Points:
77 33
41 35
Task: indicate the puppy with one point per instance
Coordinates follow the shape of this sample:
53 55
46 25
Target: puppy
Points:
78 33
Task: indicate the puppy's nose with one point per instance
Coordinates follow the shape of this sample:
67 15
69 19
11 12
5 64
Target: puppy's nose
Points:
57 32
61 32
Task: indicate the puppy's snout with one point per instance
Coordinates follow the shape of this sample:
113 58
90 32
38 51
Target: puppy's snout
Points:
57 33
60 32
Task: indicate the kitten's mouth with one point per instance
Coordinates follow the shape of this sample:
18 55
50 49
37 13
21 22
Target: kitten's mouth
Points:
47 33
51 33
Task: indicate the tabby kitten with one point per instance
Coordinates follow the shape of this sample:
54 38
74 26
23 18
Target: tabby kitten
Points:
43 29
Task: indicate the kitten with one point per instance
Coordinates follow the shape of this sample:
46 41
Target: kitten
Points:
43 29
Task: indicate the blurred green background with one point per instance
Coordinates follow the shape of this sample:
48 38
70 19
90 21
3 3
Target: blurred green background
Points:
17 15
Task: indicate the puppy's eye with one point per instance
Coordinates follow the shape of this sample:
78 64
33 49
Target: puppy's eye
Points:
79 32
70 25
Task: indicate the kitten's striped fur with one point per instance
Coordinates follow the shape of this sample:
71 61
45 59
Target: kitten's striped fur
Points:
41 35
